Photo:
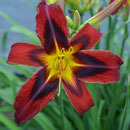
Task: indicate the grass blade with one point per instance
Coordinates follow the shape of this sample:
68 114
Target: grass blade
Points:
8 123
125 108
44 122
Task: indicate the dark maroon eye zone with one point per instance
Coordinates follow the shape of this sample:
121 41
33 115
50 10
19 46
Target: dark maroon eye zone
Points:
93 62
77 90
82 40
61 39
48 88
34 56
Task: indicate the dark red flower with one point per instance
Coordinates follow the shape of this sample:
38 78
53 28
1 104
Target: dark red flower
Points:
70 62
122 3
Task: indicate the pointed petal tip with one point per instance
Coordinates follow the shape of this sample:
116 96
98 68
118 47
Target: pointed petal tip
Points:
121 60
21 121
51 26
101 66
86 38
37 96
25 54
81 112
79 95
7 62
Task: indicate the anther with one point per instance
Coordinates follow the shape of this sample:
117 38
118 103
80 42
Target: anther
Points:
58 57
71 49
63 51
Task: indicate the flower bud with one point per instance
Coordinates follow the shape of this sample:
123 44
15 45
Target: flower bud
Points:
127 12
51 1
73 4
93 21
69 22
77 19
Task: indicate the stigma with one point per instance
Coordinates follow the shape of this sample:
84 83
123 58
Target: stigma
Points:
62 59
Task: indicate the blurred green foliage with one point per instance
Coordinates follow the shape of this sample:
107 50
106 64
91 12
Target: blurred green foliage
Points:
112 106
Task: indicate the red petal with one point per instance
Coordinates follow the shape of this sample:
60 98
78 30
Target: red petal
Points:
34 95
51 26
26 54
86 38
79 95
123 2
97 66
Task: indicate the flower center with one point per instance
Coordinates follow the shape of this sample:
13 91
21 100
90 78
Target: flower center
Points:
62 59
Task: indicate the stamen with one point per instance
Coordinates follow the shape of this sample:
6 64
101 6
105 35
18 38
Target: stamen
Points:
63 50
71 49
59 86
63 59
57 63
58 57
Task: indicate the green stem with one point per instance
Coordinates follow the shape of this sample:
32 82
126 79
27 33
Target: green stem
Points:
109 33
81 16
126 107
125 36
62 112
114 23
114 105
116 101
97 47
73 32
111 27
91 12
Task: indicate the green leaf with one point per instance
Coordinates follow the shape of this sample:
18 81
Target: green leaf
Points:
4 40
75 118
18 28
26 32
44 122
124 114
8 123
9 19
8 76
6 108
99 116
7 95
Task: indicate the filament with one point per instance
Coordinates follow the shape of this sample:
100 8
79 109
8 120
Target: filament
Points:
59 90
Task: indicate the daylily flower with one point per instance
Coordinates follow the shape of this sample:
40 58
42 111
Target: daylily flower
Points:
122 3
70 62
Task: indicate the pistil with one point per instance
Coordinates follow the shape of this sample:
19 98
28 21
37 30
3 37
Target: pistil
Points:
59 86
